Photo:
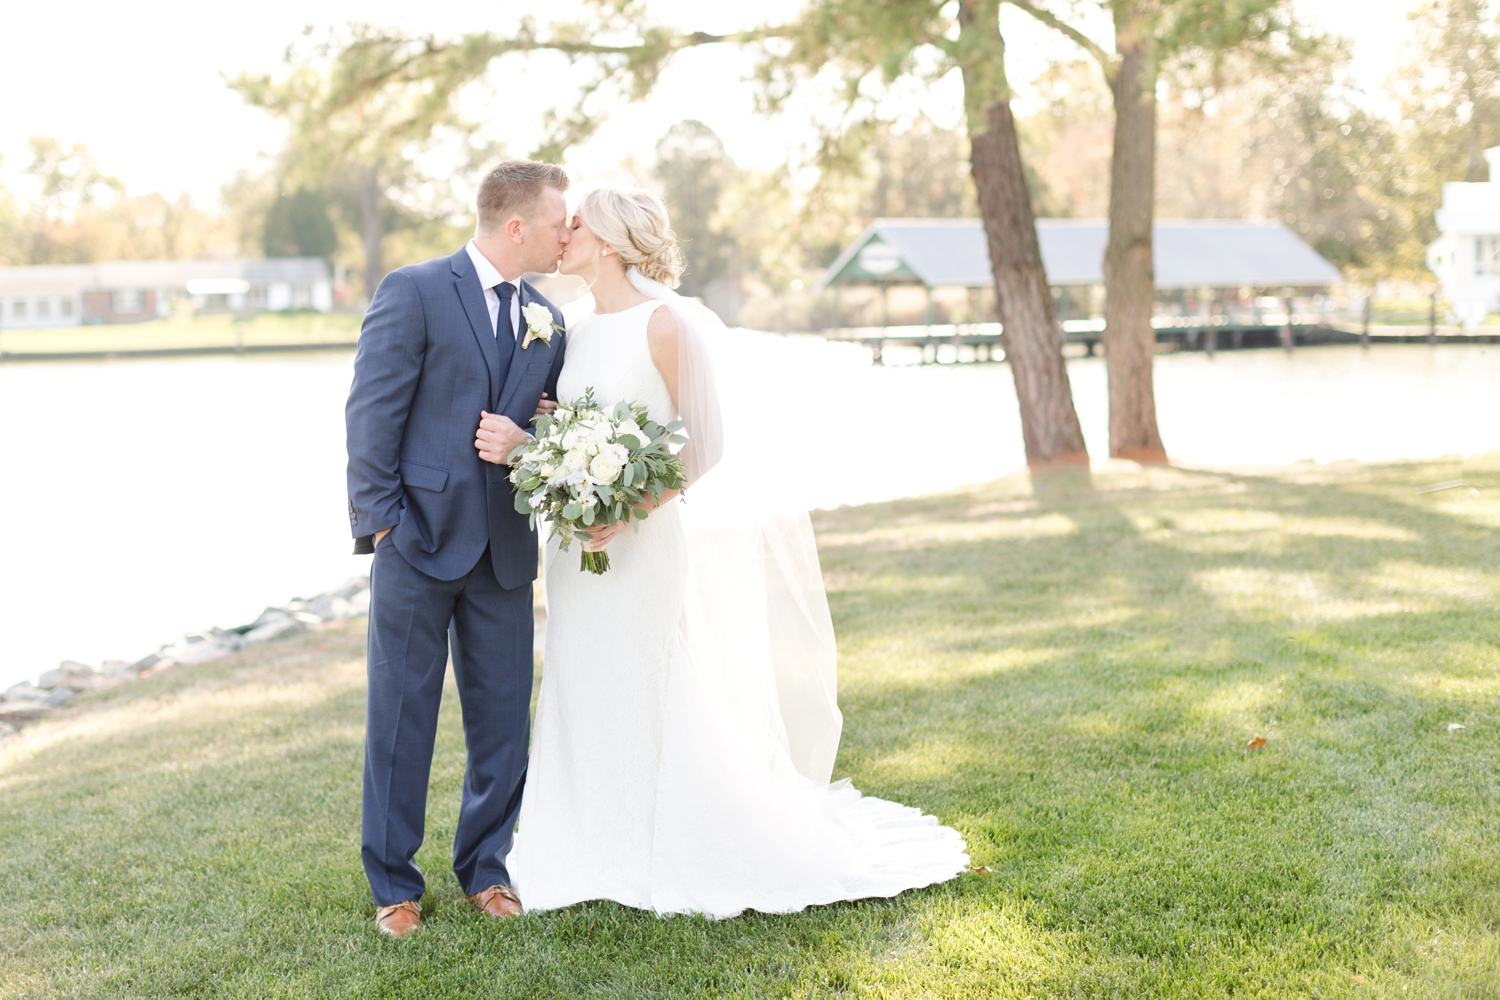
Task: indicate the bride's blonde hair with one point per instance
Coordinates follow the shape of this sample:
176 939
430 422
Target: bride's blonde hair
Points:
634 225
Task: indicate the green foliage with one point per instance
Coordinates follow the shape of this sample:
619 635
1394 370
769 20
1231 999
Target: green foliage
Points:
919 169
298 225
70 180
694 170
1340 183
1449 91
1238 141
1449 87
1068 673
1067 143
363 108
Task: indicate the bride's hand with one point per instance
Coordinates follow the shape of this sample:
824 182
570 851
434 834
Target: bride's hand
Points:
601 536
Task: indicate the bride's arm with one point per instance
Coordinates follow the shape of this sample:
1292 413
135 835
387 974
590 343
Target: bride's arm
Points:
662 336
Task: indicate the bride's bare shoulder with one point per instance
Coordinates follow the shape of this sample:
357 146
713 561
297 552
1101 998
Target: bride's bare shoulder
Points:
661 334
662 337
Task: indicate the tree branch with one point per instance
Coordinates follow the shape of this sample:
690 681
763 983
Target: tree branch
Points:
1106 60
672 43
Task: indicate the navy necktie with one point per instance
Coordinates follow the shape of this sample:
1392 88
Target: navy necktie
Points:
506 291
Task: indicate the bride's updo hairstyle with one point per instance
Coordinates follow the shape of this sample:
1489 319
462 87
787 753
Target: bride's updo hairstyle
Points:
634 225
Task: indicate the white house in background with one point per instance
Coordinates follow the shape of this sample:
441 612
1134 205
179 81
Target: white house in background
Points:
132 291
1466 257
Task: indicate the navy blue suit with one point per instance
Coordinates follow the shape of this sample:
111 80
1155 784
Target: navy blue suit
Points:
455 571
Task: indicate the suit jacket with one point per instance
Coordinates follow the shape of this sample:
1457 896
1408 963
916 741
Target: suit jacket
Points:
426 365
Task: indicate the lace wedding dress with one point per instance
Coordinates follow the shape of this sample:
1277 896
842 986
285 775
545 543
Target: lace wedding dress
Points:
671 766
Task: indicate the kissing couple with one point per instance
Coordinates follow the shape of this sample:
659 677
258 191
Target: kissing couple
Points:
688 721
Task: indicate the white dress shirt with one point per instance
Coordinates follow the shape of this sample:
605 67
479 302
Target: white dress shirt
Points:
489 278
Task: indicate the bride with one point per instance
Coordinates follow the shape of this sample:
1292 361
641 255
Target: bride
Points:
687 722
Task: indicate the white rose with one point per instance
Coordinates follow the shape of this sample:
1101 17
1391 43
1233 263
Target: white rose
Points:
572 439
632 428
604 468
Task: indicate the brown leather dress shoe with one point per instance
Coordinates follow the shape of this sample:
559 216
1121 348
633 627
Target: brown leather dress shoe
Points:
497 901
398 919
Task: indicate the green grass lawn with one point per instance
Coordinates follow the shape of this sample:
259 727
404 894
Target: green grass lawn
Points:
196 332
1069 675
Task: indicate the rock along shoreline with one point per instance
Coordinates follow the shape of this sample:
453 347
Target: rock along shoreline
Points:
28 702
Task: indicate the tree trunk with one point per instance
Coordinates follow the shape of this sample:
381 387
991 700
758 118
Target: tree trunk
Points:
1129 276
1030 333
372 232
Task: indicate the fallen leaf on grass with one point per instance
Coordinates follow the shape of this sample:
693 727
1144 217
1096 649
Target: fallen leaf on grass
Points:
1256 743
1437 682
1358 979
979 869
1454 727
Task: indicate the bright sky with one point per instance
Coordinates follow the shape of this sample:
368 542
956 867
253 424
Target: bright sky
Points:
141 83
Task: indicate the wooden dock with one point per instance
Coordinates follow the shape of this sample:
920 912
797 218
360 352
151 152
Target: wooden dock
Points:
981 342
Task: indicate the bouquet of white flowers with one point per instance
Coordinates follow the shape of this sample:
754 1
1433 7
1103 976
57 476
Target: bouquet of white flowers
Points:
588 468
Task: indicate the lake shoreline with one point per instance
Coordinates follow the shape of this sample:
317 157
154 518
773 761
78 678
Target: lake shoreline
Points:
28 702
158 496
172 352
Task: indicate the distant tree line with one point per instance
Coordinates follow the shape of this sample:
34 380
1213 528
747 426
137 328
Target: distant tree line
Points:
66 209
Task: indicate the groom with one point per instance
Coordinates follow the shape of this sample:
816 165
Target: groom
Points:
445 379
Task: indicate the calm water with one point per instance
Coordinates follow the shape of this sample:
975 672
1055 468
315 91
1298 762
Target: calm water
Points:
143 499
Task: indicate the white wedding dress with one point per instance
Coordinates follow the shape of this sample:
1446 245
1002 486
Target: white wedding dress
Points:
661 774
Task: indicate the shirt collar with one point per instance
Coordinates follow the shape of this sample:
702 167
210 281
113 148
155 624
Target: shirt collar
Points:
488 276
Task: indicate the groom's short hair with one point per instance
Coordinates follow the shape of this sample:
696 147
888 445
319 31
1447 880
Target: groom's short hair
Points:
514 187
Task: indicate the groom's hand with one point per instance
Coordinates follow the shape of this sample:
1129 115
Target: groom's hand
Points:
498 436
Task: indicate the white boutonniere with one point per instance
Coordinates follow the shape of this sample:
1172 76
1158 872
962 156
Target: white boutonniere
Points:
539 325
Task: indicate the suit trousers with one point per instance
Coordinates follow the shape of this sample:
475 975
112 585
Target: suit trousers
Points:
413 620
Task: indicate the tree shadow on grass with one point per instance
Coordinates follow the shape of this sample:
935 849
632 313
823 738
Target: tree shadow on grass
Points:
1087 698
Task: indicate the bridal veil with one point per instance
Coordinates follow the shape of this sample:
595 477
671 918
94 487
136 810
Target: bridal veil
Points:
756 622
